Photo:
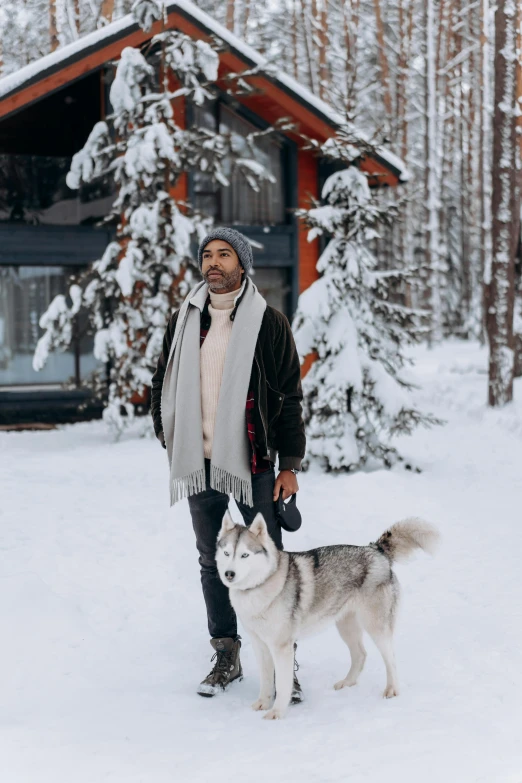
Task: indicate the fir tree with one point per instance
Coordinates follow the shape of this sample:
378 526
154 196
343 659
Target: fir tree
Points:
145 273
356 395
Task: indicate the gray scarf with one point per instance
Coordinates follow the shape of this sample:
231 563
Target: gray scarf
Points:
230 470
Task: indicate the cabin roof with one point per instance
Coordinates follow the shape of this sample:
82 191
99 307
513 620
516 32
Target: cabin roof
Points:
89 53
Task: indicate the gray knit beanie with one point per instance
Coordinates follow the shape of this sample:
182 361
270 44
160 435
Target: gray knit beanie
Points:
238 241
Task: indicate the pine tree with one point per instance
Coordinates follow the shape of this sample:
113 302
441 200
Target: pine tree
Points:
356 394
144 274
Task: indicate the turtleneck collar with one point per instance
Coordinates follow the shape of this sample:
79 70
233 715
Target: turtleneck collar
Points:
226 301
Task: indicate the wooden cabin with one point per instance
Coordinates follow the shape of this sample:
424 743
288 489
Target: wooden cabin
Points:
47 110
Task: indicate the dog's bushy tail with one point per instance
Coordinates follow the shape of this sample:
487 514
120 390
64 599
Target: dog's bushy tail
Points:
404 537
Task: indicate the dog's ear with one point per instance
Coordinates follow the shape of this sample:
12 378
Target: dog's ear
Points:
258 527
227 525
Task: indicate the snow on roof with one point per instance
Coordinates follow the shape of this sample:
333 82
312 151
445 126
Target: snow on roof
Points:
93 41
38 69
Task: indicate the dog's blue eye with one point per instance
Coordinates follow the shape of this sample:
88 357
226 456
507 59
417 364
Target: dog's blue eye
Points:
227 554
245 554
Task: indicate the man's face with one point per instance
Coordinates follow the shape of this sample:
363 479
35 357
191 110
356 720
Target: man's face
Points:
221 268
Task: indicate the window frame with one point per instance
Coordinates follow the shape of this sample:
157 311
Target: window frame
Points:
75 377
71 248
287 153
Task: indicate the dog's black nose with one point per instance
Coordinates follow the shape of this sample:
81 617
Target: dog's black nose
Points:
230 574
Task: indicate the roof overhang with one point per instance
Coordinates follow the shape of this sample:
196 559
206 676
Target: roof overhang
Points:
279 93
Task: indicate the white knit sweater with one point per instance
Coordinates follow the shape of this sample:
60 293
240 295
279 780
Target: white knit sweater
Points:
212 361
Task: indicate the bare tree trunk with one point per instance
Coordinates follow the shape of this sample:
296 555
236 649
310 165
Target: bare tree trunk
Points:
400 94
230 15
53 29
308 42
485 150
402 239
474 179
518 130
383 60
447 120
246 16
323 44
295 38
107 10
431 189
482 157
409 40
466 122
314 21
350 30
504 207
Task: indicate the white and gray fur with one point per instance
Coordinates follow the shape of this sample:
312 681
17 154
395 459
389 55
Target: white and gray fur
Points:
282 596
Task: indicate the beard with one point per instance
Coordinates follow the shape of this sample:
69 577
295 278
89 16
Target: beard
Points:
226 282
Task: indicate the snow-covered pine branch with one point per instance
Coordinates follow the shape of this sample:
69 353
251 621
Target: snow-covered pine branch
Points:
356 393
147 12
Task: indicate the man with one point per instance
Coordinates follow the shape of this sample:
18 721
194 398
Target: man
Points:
226 398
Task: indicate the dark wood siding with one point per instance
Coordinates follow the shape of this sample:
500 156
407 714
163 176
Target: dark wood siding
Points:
51 245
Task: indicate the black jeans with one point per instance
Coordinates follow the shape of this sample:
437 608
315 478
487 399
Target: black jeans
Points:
207 510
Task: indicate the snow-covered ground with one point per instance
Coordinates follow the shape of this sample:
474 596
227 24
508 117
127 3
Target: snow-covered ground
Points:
104 629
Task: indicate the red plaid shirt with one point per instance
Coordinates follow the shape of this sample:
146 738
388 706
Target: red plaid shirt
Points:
258 463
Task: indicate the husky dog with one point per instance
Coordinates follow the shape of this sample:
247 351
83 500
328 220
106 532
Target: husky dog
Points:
280 596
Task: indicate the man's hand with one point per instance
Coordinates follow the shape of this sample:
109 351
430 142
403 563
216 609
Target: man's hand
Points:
161 437
288 481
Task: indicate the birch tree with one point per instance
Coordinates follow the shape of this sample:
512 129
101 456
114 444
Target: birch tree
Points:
505 208
431 177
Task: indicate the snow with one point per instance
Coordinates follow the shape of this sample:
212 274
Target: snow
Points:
145 150
147 12
57 314
388 391
126 91
87 163
144 222
347 179
101 345
105 633
125 275
39 67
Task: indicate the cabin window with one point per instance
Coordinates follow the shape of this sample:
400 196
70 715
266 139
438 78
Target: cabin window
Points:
238 203
25 294
33 190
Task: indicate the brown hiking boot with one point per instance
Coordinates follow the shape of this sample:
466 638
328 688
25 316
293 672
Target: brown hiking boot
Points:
226 668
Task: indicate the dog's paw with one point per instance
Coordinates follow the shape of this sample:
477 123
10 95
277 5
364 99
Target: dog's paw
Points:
262 704
344 684
273 715
390 691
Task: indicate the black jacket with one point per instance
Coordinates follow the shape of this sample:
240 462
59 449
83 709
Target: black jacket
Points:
275 380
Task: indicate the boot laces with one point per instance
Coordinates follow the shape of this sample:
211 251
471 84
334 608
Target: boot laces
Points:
222 658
